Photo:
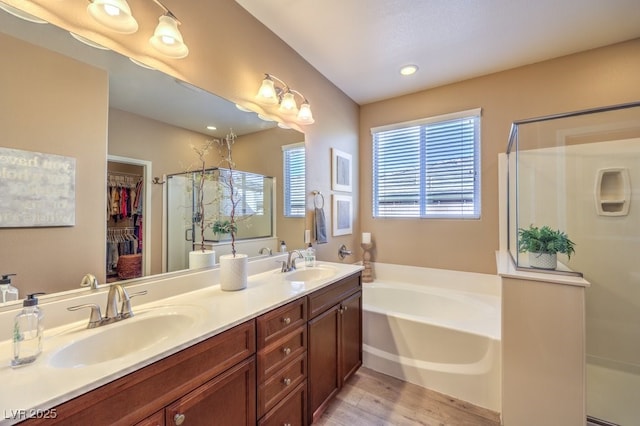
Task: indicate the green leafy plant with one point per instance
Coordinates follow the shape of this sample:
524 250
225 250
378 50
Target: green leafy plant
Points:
544 240
224 227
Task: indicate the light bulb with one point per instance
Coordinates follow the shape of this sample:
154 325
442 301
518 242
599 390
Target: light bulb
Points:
305 116
267 92
167 39
113 14
288 104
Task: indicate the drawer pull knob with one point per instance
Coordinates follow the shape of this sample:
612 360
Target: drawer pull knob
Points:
286 351
178 419
344 308
286 320
287 424
286 381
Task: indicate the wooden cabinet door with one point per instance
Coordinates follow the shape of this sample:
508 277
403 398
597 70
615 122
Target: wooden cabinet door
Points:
351 336
323 354
227 400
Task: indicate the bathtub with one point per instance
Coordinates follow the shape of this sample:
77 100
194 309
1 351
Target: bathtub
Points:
438 329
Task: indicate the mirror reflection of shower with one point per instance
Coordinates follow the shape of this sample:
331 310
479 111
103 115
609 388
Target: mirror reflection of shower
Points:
191 215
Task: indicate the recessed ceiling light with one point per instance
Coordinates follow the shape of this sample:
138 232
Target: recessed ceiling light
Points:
212 128
408 69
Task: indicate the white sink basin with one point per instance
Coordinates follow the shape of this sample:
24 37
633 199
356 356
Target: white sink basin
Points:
145 330
316 273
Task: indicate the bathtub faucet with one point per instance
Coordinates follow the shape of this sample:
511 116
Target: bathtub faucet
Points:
343 252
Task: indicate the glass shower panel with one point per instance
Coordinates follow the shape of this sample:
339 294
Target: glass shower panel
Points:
580 173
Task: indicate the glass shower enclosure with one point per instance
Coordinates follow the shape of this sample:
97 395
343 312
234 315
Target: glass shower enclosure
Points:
578 173
192 210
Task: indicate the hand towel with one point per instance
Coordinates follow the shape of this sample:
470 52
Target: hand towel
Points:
320 226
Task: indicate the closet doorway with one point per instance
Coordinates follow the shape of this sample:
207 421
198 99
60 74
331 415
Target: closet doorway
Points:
128 249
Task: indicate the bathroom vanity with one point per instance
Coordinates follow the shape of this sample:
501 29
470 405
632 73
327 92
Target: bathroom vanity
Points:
275 353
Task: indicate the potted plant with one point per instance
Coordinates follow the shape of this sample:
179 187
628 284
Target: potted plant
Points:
543 244
202 257
234 266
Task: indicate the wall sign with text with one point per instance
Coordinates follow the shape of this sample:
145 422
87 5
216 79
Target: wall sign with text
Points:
36 189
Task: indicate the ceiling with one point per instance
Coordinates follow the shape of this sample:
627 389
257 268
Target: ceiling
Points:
360 45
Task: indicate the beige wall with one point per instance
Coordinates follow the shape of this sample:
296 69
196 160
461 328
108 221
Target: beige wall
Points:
261 152
66 118
229 53
594 78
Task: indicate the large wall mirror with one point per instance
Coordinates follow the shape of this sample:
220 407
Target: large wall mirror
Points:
116 118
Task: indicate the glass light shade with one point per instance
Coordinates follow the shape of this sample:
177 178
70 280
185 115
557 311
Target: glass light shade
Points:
288 104
267 92
304 115
167 39
113 14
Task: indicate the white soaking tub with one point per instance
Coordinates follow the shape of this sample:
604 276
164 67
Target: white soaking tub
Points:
436 328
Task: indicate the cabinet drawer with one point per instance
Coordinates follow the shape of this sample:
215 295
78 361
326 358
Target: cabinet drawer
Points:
292 410
155 420
142 393
278 353
281 383
325 298
281 321
229 399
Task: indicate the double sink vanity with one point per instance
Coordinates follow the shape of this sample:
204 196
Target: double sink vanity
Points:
274 353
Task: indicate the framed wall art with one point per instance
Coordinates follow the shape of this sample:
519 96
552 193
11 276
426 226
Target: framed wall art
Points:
341 171
342 214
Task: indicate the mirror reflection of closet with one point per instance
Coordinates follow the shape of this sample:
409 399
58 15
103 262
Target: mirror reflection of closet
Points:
125 248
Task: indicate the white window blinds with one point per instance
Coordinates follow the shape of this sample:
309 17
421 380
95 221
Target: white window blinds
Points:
294 180
428 168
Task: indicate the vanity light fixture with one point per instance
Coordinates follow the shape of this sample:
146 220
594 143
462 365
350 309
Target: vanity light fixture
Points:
167 39
116 15
113 14
271 93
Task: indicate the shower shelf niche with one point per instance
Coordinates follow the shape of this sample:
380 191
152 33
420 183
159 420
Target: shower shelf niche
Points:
613 192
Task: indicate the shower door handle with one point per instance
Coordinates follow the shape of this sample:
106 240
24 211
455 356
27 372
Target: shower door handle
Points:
188 234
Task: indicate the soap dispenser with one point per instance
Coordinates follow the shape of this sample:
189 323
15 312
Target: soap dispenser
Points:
283 247
7 291
310 256
27 332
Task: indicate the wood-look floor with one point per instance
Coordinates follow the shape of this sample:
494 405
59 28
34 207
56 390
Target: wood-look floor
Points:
370 398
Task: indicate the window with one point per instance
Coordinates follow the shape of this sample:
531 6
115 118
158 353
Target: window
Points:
293 157
428 168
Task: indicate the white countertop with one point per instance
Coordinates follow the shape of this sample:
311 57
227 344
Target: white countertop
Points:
40 386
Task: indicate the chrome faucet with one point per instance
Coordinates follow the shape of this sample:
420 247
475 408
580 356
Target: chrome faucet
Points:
112 313
89 280
291 261
116 293
265 249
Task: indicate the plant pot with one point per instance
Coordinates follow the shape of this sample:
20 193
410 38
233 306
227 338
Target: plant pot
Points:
202 259
233 272
543 260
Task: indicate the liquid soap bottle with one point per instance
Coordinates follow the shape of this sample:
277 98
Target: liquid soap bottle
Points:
7 291
310 256
27 332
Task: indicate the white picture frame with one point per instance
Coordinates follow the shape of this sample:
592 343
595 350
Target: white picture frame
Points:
342 215
341 171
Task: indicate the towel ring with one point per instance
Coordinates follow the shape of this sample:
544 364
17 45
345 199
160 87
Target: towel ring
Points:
315 199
